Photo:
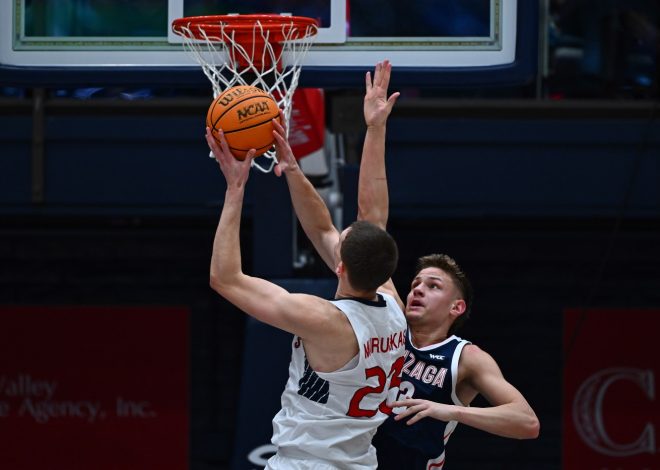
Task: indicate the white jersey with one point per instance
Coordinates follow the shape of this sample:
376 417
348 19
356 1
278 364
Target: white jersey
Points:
328 419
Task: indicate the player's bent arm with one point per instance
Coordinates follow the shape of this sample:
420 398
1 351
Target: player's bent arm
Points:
314 216
303 315
510 415
300 314
310 209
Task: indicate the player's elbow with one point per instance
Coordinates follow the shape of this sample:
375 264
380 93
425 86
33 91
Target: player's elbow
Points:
531 428
215 284
218 283
227 282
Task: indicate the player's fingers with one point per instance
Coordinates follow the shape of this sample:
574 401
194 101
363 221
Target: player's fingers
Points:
416 418
387 70
247 162
213 138
279 141
384 74
378 75
281 145
223 142
403 415
213 145
283 123
367 79
210 139
399 404
409 411
277 126
406 402
392 99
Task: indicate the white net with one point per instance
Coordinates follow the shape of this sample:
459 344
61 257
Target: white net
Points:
266 54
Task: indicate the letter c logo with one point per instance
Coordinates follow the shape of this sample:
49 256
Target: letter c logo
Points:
588 412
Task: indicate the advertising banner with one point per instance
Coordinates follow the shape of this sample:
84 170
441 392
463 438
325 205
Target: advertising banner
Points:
611 412
93 387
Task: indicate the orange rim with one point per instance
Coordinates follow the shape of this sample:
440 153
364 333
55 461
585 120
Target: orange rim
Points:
213 26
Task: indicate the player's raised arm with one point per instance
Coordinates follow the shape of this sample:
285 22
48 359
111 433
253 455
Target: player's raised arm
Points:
310 208
373 198
299 314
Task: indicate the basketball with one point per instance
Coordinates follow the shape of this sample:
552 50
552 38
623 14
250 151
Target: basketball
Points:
244 113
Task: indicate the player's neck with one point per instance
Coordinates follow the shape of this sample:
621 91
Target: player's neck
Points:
345 291
422 337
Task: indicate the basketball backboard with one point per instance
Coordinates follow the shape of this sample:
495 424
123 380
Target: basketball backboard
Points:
453 42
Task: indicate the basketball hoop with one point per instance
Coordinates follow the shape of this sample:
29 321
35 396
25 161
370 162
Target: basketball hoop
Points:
250 50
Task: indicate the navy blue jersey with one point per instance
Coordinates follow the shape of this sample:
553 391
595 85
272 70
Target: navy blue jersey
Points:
429 373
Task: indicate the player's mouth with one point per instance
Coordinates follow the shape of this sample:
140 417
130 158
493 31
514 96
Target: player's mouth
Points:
415 304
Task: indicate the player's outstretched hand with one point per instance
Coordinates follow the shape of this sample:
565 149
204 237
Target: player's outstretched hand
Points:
377 106
419 409
286 161
236 171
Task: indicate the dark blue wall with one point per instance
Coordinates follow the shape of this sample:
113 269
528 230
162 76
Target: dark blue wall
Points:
527 168
158 163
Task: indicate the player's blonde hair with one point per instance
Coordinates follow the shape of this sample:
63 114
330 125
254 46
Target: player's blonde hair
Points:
451 267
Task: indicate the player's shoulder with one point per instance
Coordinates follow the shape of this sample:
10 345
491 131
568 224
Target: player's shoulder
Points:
387 296
474 358
382 300
314 301
393 306
325 310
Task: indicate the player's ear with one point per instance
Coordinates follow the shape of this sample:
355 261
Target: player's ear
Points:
340 269
458 307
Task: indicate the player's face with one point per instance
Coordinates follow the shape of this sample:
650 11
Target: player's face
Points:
432 295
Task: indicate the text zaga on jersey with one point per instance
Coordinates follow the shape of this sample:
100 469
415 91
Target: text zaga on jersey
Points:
414 368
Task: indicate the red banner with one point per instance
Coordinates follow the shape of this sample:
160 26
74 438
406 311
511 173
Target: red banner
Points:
93 387
611 412
307 125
